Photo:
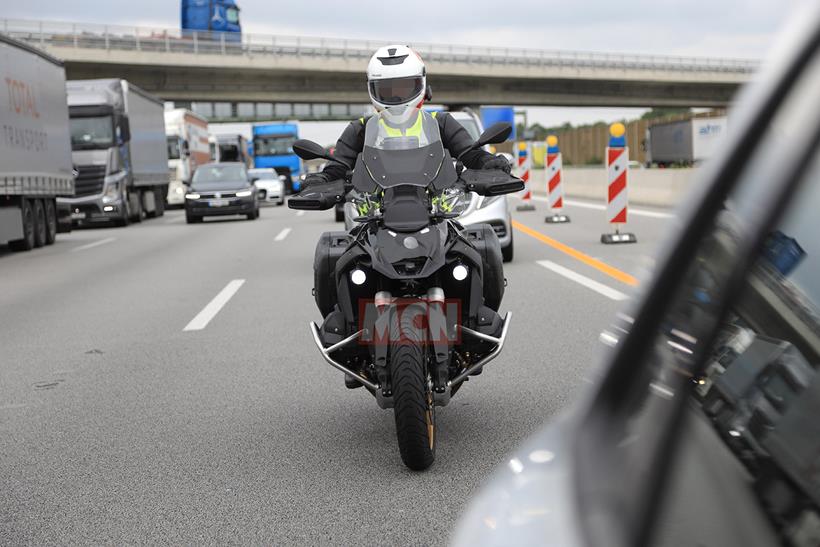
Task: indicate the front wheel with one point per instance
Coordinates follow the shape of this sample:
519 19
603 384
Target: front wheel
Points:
412 398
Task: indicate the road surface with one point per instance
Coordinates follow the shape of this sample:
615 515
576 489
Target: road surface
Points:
159 384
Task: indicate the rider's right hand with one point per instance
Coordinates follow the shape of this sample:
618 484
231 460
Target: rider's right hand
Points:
314 178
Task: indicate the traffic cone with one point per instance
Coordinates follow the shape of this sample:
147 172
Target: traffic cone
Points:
617 168
524 165
555 186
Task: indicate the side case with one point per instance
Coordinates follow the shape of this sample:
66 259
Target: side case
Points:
330 247
484 239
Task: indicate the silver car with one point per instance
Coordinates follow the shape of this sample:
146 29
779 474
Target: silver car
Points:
494 210
270 185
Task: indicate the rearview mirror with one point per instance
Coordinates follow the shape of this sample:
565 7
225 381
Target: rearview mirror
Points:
496 133
309 150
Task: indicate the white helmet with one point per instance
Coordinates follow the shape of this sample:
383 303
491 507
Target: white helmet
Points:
396 79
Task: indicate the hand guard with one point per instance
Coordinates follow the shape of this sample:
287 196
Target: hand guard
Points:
314 178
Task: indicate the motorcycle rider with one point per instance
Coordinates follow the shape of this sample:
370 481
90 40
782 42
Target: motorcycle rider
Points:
397 79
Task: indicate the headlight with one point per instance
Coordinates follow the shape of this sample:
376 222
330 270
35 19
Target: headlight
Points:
451 201
192 195
486 201
112 192
244 193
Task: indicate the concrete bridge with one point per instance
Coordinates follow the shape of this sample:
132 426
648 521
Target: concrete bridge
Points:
287 69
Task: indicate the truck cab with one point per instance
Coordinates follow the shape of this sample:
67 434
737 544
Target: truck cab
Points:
273 147
118 179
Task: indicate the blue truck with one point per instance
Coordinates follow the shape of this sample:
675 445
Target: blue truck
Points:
212 16
273 147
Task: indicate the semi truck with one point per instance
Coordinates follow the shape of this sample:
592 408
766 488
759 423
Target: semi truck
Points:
229 148
273 147
35 149
187 138
212 16
119 150
685 142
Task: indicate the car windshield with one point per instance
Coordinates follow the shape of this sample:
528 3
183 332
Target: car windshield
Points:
273 145
173 148
92 132
220 175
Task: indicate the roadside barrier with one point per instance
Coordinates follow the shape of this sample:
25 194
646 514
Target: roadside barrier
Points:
555 185
524 166
617 168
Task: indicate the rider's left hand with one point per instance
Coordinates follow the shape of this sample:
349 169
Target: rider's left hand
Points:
497 162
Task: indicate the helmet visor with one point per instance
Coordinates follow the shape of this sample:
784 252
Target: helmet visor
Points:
395 91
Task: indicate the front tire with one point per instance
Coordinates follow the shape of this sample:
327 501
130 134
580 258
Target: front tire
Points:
412 399
27 214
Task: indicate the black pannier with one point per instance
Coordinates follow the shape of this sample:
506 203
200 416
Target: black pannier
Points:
485 240
330 247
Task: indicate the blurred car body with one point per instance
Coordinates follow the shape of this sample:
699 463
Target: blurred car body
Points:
702 427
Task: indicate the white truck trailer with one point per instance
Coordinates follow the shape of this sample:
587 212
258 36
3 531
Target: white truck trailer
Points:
187 135
119 149
35 150
685 142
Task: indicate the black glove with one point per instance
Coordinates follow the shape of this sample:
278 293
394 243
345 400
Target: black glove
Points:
497 162
314 178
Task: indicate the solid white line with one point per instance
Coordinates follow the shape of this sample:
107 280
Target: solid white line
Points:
93 244
602 207
282 235
600 288
299 213
209 312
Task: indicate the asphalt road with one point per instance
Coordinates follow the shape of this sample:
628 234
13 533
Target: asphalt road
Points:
118 426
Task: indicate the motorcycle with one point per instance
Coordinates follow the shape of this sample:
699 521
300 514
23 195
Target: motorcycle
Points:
410 297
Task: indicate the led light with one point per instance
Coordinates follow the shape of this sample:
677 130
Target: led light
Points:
358 277
179 190
108 208
460 272
192 196
243 193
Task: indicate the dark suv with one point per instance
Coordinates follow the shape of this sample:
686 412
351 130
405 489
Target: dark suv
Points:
221 189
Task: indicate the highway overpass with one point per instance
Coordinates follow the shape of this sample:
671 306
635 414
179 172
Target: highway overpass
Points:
287 69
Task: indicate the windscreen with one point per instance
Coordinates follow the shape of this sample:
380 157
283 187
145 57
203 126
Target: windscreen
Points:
398 128
401 146
396 91
220 175
92 132
273 145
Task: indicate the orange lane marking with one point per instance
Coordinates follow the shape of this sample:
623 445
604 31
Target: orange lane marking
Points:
612 272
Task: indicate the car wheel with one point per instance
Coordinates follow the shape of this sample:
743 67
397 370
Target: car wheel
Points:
507 252
191 219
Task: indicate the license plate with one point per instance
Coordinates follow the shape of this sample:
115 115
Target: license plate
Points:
218 202
77 216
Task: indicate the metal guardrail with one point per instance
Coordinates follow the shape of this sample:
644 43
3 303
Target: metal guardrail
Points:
111 37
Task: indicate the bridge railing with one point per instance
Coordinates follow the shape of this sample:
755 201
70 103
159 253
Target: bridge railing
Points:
113 37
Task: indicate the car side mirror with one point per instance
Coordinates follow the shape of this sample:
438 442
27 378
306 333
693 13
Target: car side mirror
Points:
125 129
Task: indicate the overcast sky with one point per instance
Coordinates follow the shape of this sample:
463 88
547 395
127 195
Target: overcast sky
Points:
713 28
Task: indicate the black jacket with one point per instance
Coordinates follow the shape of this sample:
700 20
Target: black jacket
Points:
453 136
